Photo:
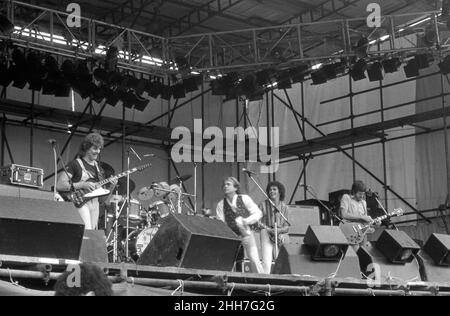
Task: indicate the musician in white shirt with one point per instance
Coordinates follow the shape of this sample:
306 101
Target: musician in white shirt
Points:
239 212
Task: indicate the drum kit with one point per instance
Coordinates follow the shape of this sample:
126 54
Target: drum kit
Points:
146 214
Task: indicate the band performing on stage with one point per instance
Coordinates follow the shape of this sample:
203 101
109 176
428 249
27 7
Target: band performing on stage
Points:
130 226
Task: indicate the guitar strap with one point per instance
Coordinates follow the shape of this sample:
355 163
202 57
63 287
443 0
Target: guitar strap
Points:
86 172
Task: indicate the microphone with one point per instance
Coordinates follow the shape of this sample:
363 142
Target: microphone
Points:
370 193
51 141
248 171
135 153
149 155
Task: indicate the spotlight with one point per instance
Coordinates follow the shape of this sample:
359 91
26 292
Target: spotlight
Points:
5 75
423 60
36 71
444 66
391 65
183 65
358 70
319 77
247 86
101 75
69 71
284 80
191 84
263 78
154 89
19 69
375 72
166 93
141 103
178 91
111 97
326 243
412 69
99 95
298 73
140 86
6 27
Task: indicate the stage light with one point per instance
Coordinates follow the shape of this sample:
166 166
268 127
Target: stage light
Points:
5 75
183 65
332 70
397 246
101 75
430 37
319 77
99 95
375 72
357 72
178 91
284 80
391 65
111 97
166 93
140 103
263 78
36 71
6 27
444 66
19 69
140 86
326 243
154 88
412 69
298 73
191 84
423 60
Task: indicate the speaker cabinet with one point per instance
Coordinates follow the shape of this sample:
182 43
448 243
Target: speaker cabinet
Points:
296 259
40 228
192 242
377 267
397 246
326 243
438 248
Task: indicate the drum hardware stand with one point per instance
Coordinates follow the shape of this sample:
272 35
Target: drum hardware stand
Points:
195 188
118 211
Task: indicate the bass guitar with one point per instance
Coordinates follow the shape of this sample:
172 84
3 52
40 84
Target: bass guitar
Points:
356 232
81 196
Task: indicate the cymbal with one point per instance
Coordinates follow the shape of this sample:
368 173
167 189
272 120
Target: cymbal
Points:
109 171
122 186
146 193
183 178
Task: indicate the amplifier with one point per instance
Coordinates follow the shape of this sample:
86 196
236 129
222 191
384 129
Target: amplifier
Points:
22 175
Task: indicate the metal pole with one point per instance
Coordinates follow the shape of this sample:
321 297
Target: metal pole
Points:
352 122
446 145
32 128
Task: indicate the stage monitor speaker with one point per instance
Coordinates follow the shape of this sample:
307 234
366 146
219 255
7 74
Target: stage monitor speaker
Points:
438 248
93 248
296 259
9 190
397 246
40 228
326 243
192 242
376 266
301 217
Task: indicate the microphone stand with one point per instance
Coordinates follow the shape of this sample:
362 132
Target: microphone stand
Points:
55 157
330 213
375 195
128 208
275 209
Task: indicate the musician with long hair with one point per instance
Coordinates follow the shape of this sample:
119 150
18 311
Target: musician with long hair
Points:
82 173
276 192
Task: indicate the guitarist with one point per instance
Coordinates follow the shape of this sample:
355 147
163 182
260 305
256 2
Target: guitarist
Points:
82 169
276 192
354 207
239 211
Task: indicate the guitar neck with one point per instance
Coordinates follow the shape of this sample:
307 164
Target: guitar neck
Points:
118 176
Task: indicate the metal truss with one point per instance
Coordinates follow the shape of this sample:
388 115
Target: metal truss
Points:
280 46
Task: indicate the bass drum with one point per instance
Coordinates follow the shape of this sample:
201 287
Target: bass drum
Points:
139 241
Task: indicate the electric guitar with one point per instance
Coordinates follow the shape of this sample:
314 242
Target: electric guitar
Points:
81 196
356 232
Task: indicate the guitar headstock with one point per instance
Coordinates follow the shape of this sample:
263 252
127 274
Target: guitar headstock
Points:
143 167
